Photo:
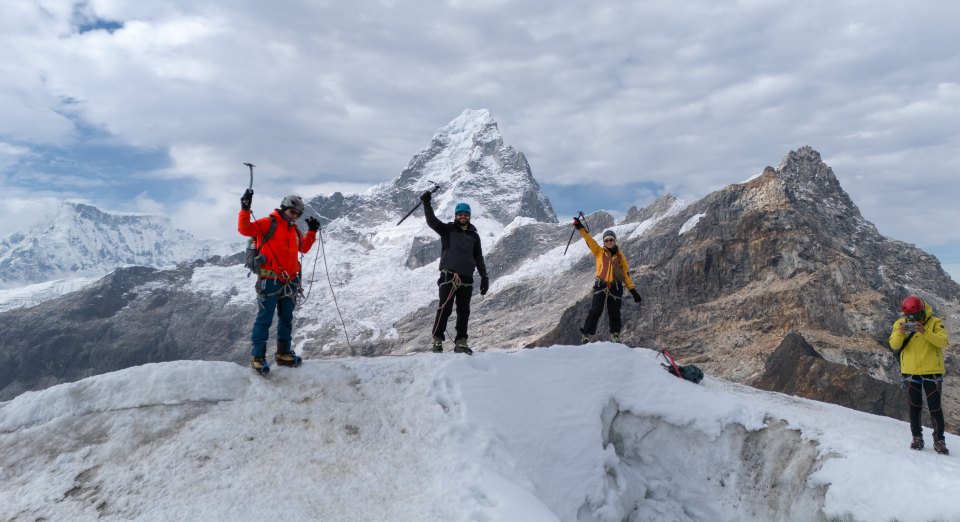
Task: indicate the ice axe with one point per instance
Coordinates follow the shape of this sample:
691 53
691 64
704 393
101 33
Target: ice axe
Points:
251 165
434 189
583 221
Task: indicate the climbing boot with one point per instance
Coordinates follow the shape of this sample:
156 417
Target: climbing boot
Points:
259 365
460 346
615 337
584 339
917 443
940 446
437 345
288 359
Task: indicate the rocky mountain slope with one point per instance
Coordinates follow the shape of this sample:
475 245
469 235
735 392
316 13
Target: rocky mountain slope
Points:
726 280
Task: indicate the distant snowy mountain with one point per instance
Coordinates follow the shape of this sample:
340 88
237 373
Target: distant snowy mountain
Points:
84 241
468 158
596 433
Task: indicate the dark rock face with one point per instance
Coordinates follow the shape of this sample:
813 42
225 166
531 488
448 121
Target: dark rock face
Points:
795 368
133 316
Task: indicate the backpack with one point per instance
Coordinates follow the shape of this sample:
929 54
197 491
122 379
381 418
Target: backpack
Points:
689 372
252 258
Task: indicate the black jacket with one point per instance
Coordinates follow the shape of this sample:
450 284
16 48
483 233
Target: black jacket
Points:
460 250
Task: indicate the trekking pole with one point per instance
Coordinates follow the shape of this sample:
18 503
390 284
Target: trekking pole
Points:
583 221
434 189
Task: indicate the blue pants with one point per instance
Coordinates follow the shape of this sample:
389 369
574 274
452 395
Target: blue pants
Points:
273 295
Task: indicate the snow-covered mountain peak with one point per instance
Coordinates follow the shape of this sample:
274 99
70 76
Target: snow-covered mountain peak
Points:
83 240
470 162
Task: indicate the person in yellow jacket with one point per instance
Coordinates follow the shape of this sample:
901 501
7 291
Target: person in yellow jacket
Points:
611 276
919 338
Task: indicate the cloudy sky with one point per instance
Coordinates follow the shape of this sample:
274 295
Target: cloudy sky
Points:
153 106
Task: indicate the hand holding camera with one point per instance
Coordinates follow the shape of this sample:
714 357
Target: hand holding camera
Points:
912 326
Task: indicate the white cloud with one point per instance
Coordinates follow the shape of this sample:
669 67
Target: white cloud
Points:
689 97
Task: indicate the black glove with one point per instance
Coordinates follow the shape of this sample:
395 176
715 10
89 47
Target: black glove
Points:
246 199
425 197
577 224
484 285
313 224
636 295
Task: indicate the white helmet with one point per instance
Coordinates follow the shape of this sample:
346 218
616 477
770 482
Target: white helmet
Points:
291 201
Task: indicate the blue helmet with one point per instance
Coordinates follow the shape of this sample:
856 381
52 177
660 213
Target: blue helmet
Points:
462 207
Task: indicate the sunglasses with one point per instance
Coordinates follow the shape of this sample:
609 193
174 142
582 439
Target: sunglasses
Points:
295 212
609 240
917 316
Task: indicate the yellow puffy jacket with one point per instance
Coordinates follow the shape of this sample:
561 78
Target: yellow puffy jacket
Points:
609 268
923 354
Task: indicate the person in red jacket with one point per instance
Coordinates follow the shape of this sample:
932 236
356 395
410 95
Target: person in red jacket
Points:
278 283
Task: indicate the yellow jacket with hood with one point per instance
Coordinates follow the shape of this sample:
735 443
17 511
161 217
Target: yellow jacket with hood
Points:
923 353
609 268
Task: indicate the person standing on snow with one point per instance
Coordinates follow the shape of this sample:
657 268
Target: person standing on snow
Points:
612 273
919 339
278 283
460 255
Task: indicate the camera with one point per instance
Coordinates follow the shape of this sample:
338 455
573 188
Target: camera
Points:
910 326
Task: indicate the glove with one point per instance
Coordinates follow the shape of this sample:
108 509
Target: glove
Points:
246 199
313 224
484 285
425 197
636 295
577 224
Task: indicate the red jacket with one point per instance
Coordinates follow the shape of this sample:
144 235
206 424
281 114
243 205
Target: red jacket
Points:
282 249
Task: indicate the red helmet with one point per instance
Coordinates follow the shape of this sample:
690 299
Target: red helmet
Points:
912 304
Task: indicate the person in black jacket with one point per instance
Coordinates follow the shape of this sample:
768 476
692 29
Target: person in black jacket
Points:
460 255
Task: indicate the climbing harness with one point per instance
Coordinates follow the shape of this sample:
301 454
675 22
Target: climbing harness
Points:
455 283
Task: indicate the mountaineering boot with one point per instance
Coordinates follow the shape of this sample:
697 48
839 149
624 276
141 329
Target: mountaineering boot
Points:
259 364
917 443
940 446
460 346
584 339
437 345
285 356
615 337
288 359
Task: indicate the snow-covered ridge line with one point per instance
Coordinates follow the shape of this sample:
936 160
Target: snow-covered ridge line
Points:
599 433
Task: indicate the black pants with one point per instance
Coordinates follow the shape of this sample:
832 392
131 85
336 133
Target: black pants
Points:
453 290
917 387
612 296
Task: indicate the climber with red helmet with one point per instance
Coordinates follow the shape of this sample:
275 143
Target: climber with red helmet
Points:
919 338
